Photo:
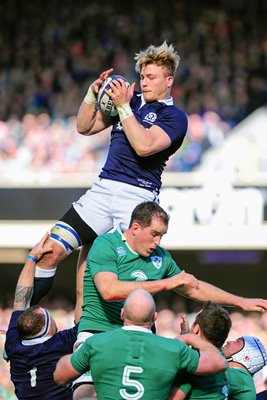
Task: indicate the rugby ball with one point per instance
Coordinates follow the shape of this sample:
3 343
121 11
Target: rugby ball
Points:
104 101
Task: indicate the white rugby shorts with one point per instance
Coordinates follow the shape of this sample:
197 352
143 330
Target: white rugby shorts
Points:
109 204
87 376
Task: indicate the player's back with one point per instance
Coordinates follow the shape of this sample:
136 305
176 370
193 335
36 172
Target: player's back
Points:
32 363
133 361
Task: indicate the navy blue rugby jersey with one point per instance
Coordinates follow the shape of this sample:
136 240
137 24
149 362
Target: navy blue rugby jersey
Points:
124 165
32 362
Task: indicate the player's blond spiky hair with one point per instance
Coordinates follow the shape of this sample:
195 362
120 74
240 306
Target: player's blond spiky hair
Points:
162 55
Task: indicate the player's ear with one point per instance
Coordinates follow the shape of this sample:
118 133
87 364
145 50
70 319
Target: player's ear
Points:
122 314
135 227
196 329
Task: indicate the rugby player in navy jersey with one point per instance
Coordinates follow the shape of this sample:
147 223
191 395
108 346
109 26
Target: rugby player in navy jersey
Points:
148 129
33 345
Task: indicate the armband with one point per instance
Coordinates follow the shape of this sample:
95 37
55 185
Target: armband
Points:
32 258
90 97
124 111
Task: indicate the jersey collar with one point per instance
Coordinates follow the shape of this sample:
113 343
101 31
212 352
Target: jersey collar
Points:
136 328
168 101
32 342
124 240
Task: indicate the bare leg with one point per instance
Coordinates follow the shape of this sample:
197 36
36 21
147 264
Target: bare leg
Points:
81 264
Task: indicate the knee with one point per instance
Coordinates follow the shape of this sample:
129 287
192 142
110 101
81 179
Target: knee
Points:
50 260
84 392
65 236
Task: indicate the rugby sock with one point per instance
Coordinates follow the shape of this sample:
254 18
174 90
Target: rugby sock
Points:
43 282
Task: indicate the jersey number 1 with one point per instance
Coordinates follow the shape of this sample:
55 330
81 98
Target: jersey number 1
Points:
33 376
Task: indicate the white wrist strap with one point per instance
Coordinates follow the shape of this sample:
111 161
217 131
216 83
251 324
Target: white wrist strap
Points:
90 97
124 111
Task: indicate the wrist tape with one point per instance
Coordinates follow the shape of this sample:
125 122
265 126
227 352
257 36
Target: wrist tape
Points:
90 97
124 111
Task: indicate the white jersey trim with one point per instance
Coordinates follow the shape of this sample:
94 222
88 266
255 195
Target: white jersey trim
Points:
136 328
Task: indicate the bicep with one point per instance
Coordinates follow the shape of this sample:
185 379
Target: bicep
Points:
102 122
158 140
104 281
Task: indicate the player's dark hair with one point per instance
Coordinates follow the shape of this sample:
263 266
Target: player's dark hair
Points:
144 212
30 322
214 322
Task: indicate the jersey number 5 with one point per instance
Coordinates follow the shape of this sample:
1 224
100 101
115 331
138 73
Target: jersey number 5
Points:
127 381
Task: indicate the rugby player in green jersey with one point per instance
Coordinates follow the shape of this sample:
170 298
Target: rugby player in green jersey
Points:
122 261
212 324
132 363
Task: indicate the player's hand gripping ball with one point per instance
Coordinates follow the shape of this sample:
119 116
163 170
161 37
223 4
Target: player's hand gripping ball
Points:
104 101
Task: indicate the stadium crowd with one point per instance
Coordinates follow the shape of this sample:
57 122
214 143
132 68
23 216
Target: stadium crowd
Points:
46 66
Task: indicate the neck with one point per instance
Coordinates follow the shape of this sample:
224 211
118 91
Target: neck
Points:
234 364
129 239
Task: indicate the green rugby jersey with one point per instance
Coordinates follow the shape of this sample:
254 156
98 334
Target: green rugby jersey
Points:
241 385
110 253
204 387
133 363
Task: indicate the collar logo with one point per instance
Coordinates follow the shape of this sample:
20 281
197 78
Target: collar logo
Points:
139 276
150 118
156 261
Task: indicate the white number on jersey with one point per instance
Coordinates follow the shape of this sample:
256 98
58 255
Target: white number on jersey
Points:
33 376
127 381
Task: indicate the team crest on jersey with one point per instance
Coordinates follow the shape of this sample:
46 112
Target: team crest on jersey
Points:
121 251
139 276
150 118
156 261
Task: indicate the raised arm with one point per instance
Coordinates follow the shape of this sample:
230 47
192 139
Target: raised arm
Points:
144 141
24 288
208 292
90 119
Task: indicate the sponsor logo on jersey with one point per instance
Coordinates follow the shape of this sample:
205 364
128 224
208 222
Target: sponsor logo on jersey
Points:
150 118
156 261
121 251
139 275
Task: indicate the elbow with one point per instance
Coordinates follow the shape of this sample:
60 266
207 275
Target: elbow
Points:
82 131
59 379
222 366
219 366
108 296
143 152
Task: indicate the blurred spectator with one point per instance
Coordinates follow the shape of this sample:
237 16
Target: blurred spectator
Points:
46 65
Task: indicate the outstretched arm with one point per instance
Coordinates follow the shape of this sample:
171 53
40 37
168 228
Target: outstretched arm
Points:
208 292
112 289
24 288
